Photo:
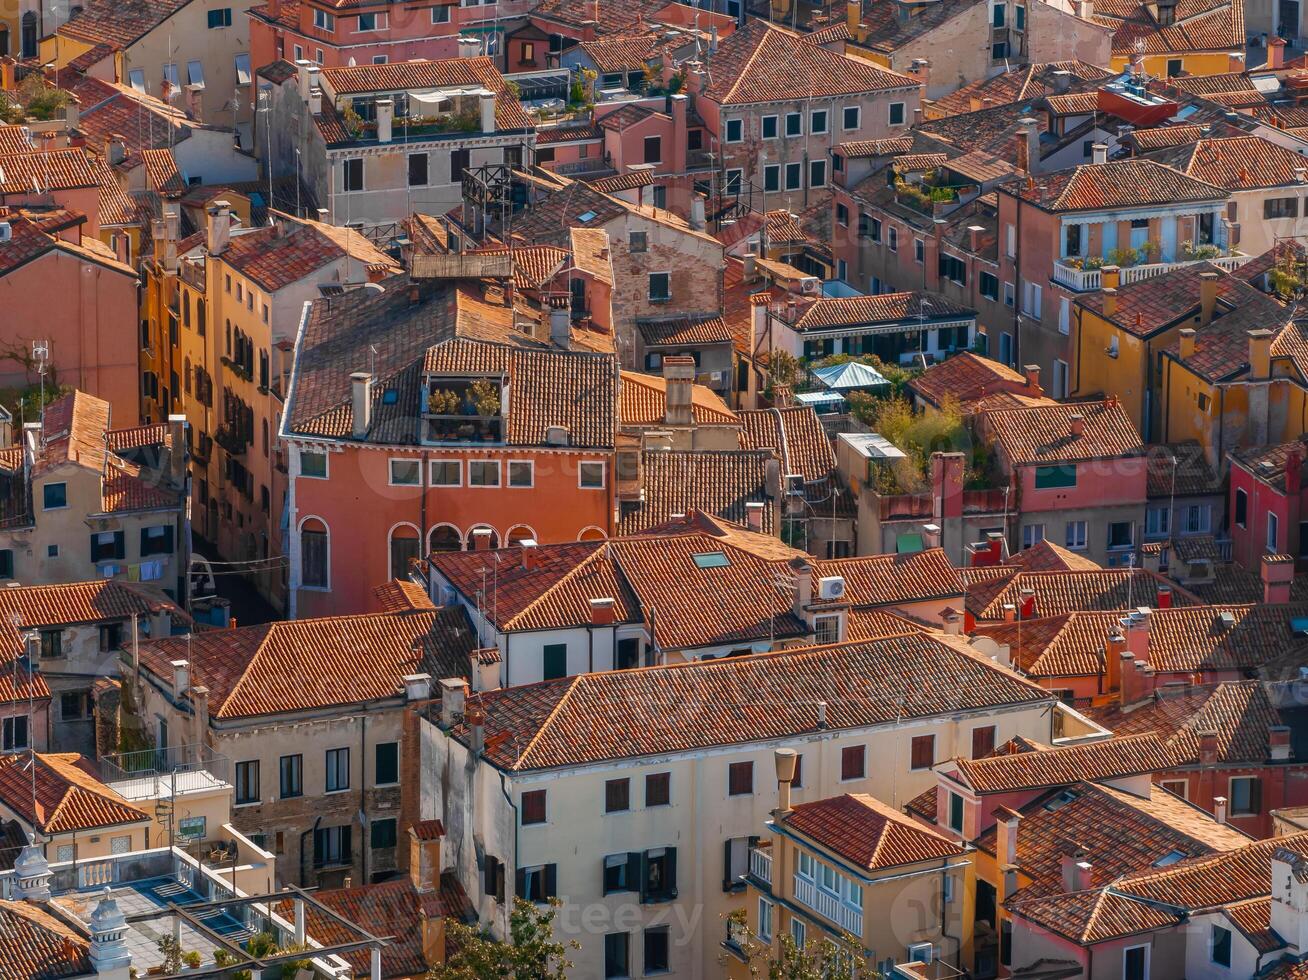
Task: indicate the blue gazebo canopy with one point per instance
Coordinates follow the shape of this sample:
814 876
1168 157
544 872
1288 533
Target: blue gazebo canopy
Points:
851 374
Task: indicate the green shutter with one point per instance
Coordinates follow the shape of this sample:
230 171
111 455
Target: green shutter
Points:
1055 477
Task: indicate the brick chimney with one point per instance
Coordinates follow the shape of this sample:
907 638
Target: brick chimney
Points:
989 552
1275 53
1110 302
754 515
1278 742
1208 748
1032 372
602 611
1114 647
1137 680
1207 297
425 855
1260 353
481 538
947 484
1006 822
678 375
1076 870
1164 597
1076 424
1277 574
1187 335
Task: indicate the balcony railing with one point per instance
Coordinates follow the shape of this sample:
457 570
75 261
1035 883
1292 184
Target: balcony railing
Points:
828 906
760 864
159 773
1088 280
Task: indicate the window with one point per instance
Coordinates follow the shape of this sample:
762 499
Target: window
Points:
997 15
770 127
656 950
1055 477
735 862
955 813
110 545
983 741
157 540
659 875
533 807
621 872
1246 796
1220 946
483 473
537 884
1157 522
324 21
989 286
194 78
1178 786
794 124
352 174
170 77
291 776
247 782
1273 529
1198 519
794 176
459 160
406 472
1119 534
849 117
919 250
772 177
383 833
740 779
660 287
826 629
853 762
52 645
616 947
590 476
313 554
842 215
1019 17
528 53
222 17
446 473
371 22
638 242
521 473
418 169
1076 535
817 122
74 706
653 149
1241 508
386 764
892 238
440 15
332 846
896 113
338 770
1281 207
1032 299
1135 963
658 789
735 177
54 496
797 932
617 795
953 268
923 752
764 919
1032 535
555 660
136 79
735 130
15 734
817 173
111 637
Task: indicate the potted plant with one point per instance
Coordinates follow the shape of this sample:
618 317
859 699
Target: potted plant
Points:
192 959
442 401
485 397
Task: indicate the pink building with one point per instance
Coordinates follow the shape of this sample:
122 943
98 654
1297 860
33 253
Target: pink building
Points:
1267 505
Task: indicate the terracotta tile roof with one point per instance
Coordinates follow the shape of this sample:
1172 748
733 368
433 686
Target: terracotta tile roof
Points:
628 53
14 139
549 220
551 135
608 18
1239 712
643 402
912 162
73 603
1113 758
1200 25
27 241
891 146
302 665
1165 136
161 172
39 946
717 482
796 435
1073 103
118 23
681 331
1235 162
399 76
1027 82
1268 463
624 182
888 580
661 710
51 170
1059 593
69 798
1119 832
765 63
887 30
533 265
1093 916
393 908
1043 434
868 833
829 35
590 253
851 311
1254 919
282 255
1049 557
1147 306
400 595
17 684
965 377
1221 349
627 115
1129 183
1191 476
876 624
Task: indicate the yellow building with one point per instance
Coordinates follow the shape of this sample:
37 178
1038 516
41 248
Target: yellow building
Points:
1204 38
853 871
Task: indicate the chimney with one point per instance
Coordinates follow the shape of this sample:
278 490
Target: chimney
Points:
561 327
425 855
72 112
1278 742
952 621
1136 630
218 226
678 375
1110 302
110 956
1208 748
1032 372
181 677
1164 597
469 47
481 538
853 16
1219 809
1114 647
697 212
803 573
1099 153
931 536
177 450
1260 353
1071 862
1276 54
115 149
417 687
754 515
1110 276
302 77
749 267
315 101
1277 575
486 103
161 620
361 404
946 489
602 611
785 763
1010 613
454 695
1137 680
1028 607
32 873
1187 343
1207 297
1006 822
1294 471
530 553
385 119
1077 424
475 716
1028 145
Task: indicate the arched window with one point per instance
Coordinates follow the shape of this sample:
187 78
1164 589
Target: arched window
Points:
488 542
186 309
445 537
313 553
199 317
186 375
518 532
403 549
592 533
4 40
29 34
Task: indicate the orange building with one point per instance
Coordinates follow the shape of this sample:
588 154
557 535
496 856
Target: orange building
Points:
428 416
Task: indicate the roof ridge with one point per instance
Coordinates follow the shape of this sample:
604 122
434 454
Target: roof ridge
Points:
565 578
573 681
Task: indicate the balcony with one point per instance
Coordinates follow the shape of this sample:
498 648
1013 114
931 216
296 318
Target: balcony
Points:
828 906
463 410
760 864
1087 280
156 774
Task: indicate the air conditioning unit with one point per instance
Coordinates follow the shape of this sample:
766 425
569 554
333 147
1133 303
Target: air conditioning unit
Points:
810 285
831 587
794 485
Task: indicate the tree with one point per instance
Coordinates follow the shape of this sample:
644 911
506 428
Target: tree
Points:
783 369
818 960
531 953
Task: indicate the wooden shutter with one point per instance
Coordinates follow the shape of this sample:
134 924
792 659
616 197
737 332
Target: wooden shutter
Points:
634 859
520 883
670 877
551 881
726 865
1255 796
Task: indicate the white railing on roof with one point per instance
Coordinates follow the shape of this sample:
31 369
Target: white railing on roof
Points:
760 864
828 906
1087 280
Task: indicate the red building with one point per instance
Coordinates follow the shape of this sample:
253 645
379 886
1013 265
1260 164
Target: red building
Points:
1267 505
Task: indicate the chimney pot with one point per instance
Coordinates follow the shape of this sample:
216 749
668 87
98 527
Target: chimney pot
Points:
679 377
1077 424
361 403
784 760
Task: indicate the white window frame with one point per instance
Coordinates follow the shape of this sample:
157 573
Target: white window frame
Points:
773 168
531 474
379 23
798 932
919 251
650 287
776 127
442 9
797 168
765 918
195 74
485 486
581 468
822 182
1078 541
324 21
858 117
794 115
242 63
1168 784
1273 532
892 238
390 470
1032 535
1230 795
1148 951
739 125
903 114
136 78
431 473
826 122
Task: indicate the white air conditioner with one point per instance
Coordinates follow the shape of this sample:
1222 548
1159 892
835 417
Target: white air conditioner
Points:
810 285
794 485
831 587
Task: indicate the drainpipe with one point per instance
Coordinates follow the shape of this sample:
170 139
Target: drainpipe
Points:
423 543
365 847
944 913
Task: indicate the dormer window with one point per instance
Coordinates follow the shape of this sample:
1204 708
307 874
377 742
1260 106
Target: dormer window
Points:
463 409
